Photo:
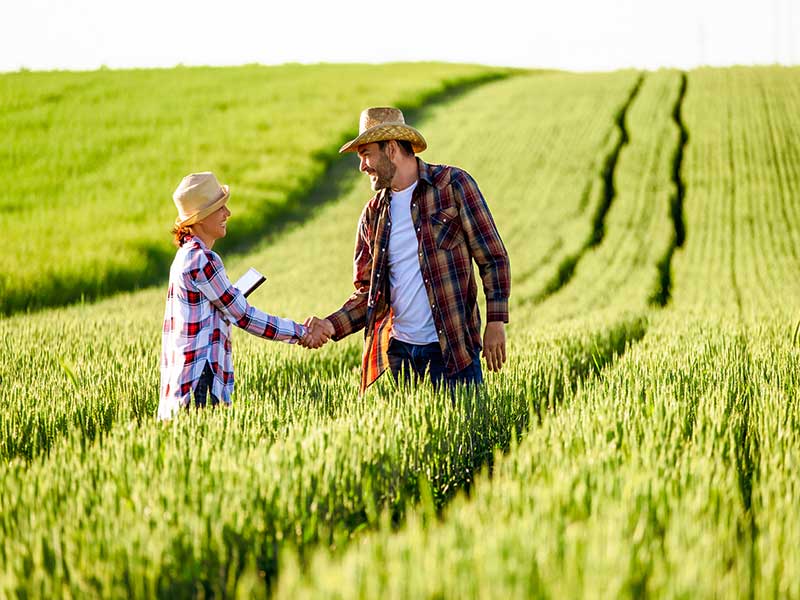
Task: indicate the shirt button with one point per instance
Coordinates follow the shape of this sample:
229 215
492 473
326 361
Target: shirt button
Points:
420 253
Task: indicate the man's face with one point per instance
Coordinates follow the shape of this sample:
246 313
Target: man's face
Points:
376 163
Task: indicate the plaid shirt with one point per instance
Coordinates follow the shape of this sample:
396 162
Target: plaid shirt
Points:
201 305
453 226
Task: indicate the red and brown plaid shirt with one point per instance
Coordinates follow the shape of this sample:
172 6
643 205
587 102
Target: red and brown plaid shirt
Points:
454 226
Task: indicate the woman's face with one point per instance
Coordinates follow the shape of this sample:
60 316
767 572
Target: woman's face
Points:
214 226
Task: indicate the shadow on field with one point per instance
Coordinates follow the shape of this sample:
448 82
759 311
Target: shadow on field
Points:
269 223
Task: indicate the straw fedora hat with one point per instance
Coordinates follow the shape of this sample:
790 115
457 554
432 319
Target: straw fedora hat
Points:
197 196
384 123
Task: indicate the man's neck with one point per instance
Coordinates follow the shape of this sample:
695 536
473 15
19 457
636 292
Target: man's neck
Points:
407 173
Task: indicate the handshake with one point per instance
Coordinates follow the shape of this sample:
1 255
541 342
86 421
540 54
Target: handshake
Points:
319 332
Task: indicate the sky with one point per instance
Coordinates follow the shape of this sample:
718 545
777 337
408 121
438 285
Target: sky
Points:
580 35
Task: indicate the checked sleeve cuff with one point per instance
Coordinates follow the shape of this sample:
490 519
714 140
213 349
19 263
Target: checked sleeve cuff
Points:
342 324
299 332
497 310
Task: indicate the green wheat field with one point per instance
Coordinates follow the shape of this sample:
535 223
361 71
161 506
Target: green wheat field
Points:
643 439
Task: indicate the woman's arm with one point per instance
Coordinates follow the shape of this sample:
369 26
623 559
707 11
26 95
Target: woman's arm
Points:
213 283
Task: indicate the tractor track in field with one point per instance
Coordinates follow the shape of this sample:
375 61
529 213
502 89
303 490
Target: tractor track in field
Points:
662 294
567 266
634 330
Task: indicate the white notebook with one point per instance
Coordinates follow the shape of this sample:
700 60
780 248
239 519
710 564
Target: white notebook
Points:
249 281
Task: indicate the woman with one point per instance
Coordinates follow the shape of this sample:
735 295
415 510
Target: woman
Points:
202 303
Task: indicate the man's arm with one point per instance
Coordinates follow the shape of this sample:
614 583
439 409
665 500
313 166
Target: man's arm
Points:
352 316
486 247
489 252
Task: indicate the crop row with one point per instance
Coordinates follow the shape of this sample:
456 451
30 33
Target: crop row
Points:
742 174
208 496
673 475
637 227
545 171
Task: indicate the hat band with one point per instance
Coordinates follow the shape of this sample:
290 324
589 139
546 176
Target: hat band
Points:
203 212
387 131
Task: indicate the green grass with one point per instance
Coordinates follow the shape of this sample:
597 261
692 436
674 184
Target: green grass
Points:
628 449
90 160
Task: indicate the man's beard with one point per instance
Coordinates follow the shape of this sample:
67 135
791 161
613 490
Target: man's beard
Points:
385 170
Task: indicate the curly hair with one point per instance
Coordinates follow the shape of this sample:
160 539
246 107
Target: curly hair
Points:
180 233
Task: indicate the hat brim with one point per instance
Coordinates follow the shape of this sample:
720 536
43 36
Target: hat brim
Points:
199 216
387 131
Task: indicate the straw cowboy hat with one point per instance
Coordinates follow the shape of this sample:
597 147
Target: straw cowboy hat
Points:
197 196
384 123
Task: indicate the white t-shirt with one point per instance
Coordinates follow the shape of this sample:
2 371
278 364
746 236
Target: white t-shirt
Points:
413 320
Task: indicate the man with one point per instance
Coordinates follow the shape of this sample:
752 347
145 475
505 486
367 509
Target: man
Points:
416 294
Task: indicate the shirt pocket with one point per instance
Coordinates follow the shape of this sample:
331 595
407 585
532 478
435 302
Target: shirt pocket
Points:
446 227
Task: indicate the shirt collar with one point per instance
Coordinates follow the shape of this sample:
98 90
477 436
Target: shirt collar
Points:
424 170
437 176
198 241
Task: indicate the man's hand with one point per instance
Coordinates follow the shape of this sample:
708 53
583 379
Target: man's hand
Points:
494 345
319 332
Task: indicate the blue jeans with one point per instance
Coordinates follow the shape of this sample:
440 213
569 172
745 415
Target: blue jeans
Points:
412 361
202 388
